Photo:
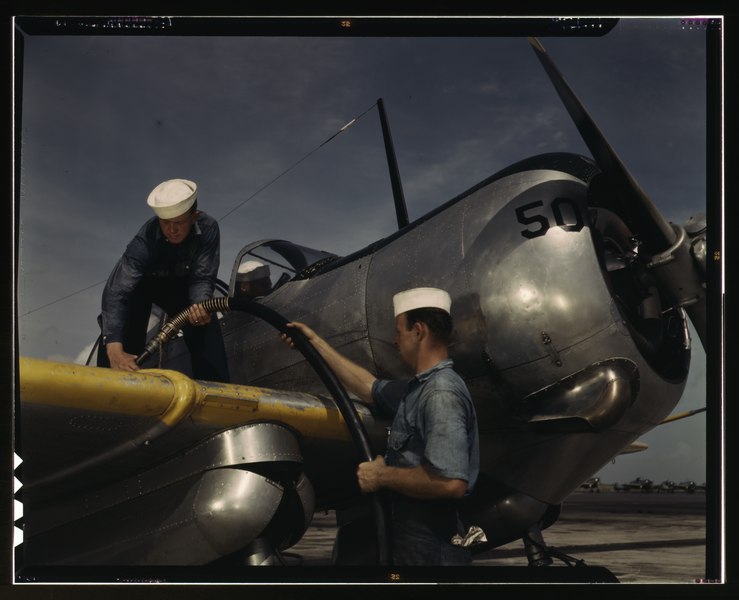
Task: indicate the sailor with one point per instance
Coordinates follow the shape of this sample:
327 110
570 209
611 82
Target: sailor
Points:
432 458
172 262
253 279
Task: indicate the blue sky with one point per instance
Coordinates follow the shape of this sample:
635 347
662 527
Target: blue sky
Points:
106 118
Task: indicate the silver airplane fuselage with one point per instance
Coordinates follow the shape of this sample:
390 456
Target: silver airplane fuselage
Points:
544 340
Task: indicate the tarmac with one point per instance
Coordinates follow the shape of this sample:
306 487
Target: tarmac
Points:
635 537
600 537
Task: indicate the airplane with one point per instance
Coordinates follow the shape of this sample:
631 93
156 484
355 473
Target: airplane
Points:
687 486
666 486
640 483
571 298
591 484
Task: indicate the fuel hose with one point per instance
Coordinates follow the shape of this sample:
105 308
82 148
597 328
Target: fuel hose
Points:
319 365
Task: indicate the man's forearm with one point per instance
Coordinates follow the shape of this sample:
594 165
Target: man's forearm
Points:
419 482
356 379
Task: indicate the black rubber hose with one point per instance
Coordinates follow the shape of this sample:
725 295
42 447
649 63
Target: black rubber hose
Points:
319 365
356 427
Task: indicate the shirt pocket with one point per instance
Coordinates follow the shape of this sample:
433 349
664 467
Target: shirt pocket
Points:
399 440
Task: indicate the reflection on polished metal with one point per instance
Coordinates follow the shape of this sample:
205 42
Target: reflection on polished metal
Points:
591 400
570 299
197 507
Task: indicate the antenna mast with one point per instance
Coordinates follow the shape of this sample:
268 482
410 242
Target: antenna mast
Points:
400 208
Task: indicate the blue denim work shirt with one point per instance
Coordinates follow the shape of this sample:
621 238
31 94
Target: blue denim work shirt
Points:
434 423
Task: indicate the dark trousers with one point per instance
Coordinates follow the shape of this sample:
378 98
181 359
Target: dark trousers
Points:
205 343
422 532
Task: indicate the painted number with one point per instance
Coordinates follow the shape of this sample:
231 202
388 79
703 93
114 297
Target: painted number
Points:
565 211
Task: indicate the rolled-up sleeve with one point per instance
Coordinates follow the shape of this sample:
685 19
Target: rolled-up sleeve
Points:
126 275
446 422
386 396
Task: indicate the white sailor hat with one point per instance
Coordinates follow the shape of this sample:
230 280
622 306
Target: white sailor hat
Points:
421 298
173 198
252 270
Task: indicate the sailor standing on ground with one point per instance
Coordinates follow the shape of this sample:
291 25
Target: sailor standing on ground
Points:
253 280
172 262
432 459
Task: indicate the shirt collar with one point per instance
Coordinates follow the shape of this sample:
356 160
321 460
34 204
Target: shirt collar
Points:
444 364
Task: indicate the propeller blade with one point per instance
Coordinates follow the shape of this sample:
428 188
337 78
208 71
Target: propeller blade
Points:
618 190
667 248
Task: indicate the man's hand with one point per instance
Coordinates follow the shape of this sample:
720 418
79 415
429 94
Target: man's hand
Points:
119 358
197 315
369 473
415 482
309 334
